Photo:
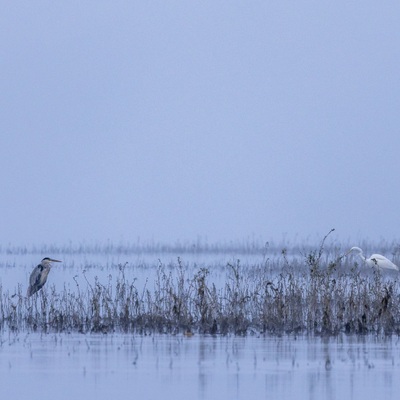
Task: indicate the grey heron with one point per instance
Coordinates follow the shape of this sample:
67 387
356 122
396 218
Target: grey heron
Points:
376 260
39 275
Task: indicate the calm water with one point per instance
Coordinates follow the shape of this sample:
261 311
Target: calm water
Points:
16 269
199 367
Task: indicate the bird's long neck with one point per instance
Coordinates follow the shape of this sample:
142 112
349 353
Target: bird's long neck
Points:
361 254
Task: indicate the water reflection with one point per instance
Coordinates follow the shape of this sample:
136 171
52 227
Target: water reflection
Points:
199 367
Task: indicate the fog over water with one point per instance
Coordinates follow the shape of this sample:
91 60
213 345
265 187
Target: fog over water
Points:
253 127
136 121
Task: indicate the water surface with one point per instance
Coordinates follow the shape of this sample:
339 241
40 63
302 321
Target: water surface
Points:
198 367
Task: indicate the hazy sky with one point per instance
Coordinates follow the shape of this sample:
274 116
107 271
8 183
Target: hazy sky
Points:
224 120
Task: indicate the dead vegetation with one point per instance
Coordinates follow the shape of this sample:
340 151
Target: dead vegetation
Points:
317 295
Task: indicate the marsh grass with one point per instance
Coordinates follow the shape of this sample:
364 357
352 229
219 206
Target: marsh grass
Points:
316 295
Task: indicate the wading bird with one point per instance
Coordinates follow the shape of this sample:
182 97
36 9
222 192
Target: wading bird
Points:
376 260
39 275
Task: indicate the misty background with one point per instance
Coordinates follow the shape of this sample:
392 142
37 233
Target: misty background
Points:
215 121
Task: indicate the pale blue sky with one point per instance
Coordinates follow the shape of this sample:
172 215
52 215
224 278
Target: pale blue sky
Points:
177 120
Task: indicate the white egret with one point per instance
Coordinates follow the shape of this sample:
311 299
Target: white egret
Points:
376 260
39 275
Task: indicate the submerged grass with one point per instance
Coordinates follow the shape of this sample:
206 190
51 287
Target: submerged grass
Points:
314 296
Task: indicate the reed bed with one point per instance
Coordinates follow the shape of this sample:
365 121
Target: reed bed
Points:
313 296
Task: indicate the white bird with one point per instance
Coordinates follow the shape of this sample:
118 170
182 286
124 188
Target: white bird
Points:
39 275
376 260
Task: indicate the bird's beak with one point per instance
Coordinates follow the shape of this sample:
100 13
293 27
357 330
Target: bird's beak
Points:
55 260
